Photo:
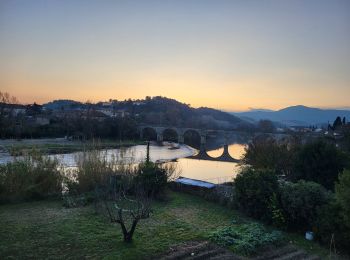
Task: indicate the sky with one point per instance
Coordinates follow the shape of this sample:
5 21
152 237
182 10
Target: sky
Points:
231 55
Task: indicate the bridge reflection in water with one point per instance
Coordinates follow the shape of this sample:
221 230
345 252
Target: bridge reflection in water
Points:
224 157
202 134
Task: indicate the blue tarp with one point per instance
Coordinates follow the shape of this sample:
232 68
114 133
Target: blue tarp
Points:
197 183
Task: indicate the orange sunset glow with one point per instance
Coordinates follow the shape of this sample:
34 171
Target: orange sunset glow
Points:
227 55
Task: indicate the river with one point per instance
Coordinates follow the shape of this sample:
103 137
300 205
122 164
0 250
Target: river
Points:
212 171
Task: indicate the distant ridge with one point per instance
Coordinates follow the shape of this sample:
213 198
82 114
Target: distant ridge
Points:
295 115
63 104
159 110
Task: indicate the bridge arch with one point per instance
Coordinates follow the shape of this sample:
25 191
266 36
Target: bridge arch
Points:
216 153
193 137
148 133
237 150
171 134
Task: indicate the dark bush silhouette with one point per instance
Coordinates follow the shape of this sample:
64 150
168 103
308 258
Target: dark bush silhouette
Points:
254 190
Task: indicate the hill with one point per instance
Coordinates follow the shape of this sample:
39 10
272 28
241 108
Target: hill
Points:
159 111
63 104
296 115
165 111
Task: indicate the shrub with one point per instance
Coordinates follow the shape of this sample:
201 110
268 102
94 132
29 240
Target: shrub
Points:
33 177
320 162
246 239
277 214
265 152
334 218
342 193
152 178
254 190
93 169
300 202
330 224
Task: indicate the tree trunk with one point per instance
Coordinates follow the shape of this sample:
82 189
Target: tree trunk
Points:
128 235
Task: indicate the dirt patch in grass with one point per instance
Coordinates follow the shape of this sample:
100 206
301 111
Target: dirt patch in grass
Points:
183 213
197 250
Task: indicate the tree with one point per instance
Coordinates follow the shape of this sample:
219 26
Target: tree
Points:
320 162
7 122
268 153
337 122
123 206
266 126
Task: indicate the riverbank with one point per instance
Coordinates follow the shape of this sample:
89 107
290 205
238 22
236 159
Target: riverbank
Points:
46 229
60 145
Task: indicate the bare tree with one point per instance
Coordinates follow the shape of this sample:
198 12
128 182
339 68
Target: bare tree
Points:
6 111
124 203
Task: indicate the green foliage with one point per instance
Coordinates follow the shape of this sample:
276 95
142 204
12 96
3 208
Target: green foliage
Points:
345 142
246 239
342 193
254 190
320 162
278 218
300 202
33 177
265 152
152 178
330 223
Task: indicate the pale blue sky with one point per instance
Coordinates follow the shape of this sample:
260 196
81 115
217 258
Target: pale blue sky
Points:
224 54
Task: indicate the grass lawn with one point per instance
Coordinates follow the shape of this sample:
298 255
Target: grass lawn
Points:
45 229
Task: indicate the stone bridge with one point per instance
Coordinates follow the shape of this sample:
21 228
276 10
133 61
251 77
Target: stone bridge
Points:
202 133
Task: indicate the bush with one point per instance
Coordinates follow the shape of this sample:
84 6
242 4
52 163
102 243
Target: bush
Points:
93 169
342 193
254 190
246 239
330 223
320 162
300 202
265 152
33 177
152 178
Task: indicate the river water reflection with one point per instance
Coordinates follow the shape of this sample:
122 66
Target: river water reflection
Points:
212 171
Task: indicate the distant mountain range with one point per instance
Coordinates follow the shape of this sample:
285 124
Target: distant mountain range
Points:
295 115
174 112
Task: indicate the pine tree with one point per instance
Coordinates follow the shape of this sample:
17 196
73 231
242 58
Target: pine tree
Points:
337 122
